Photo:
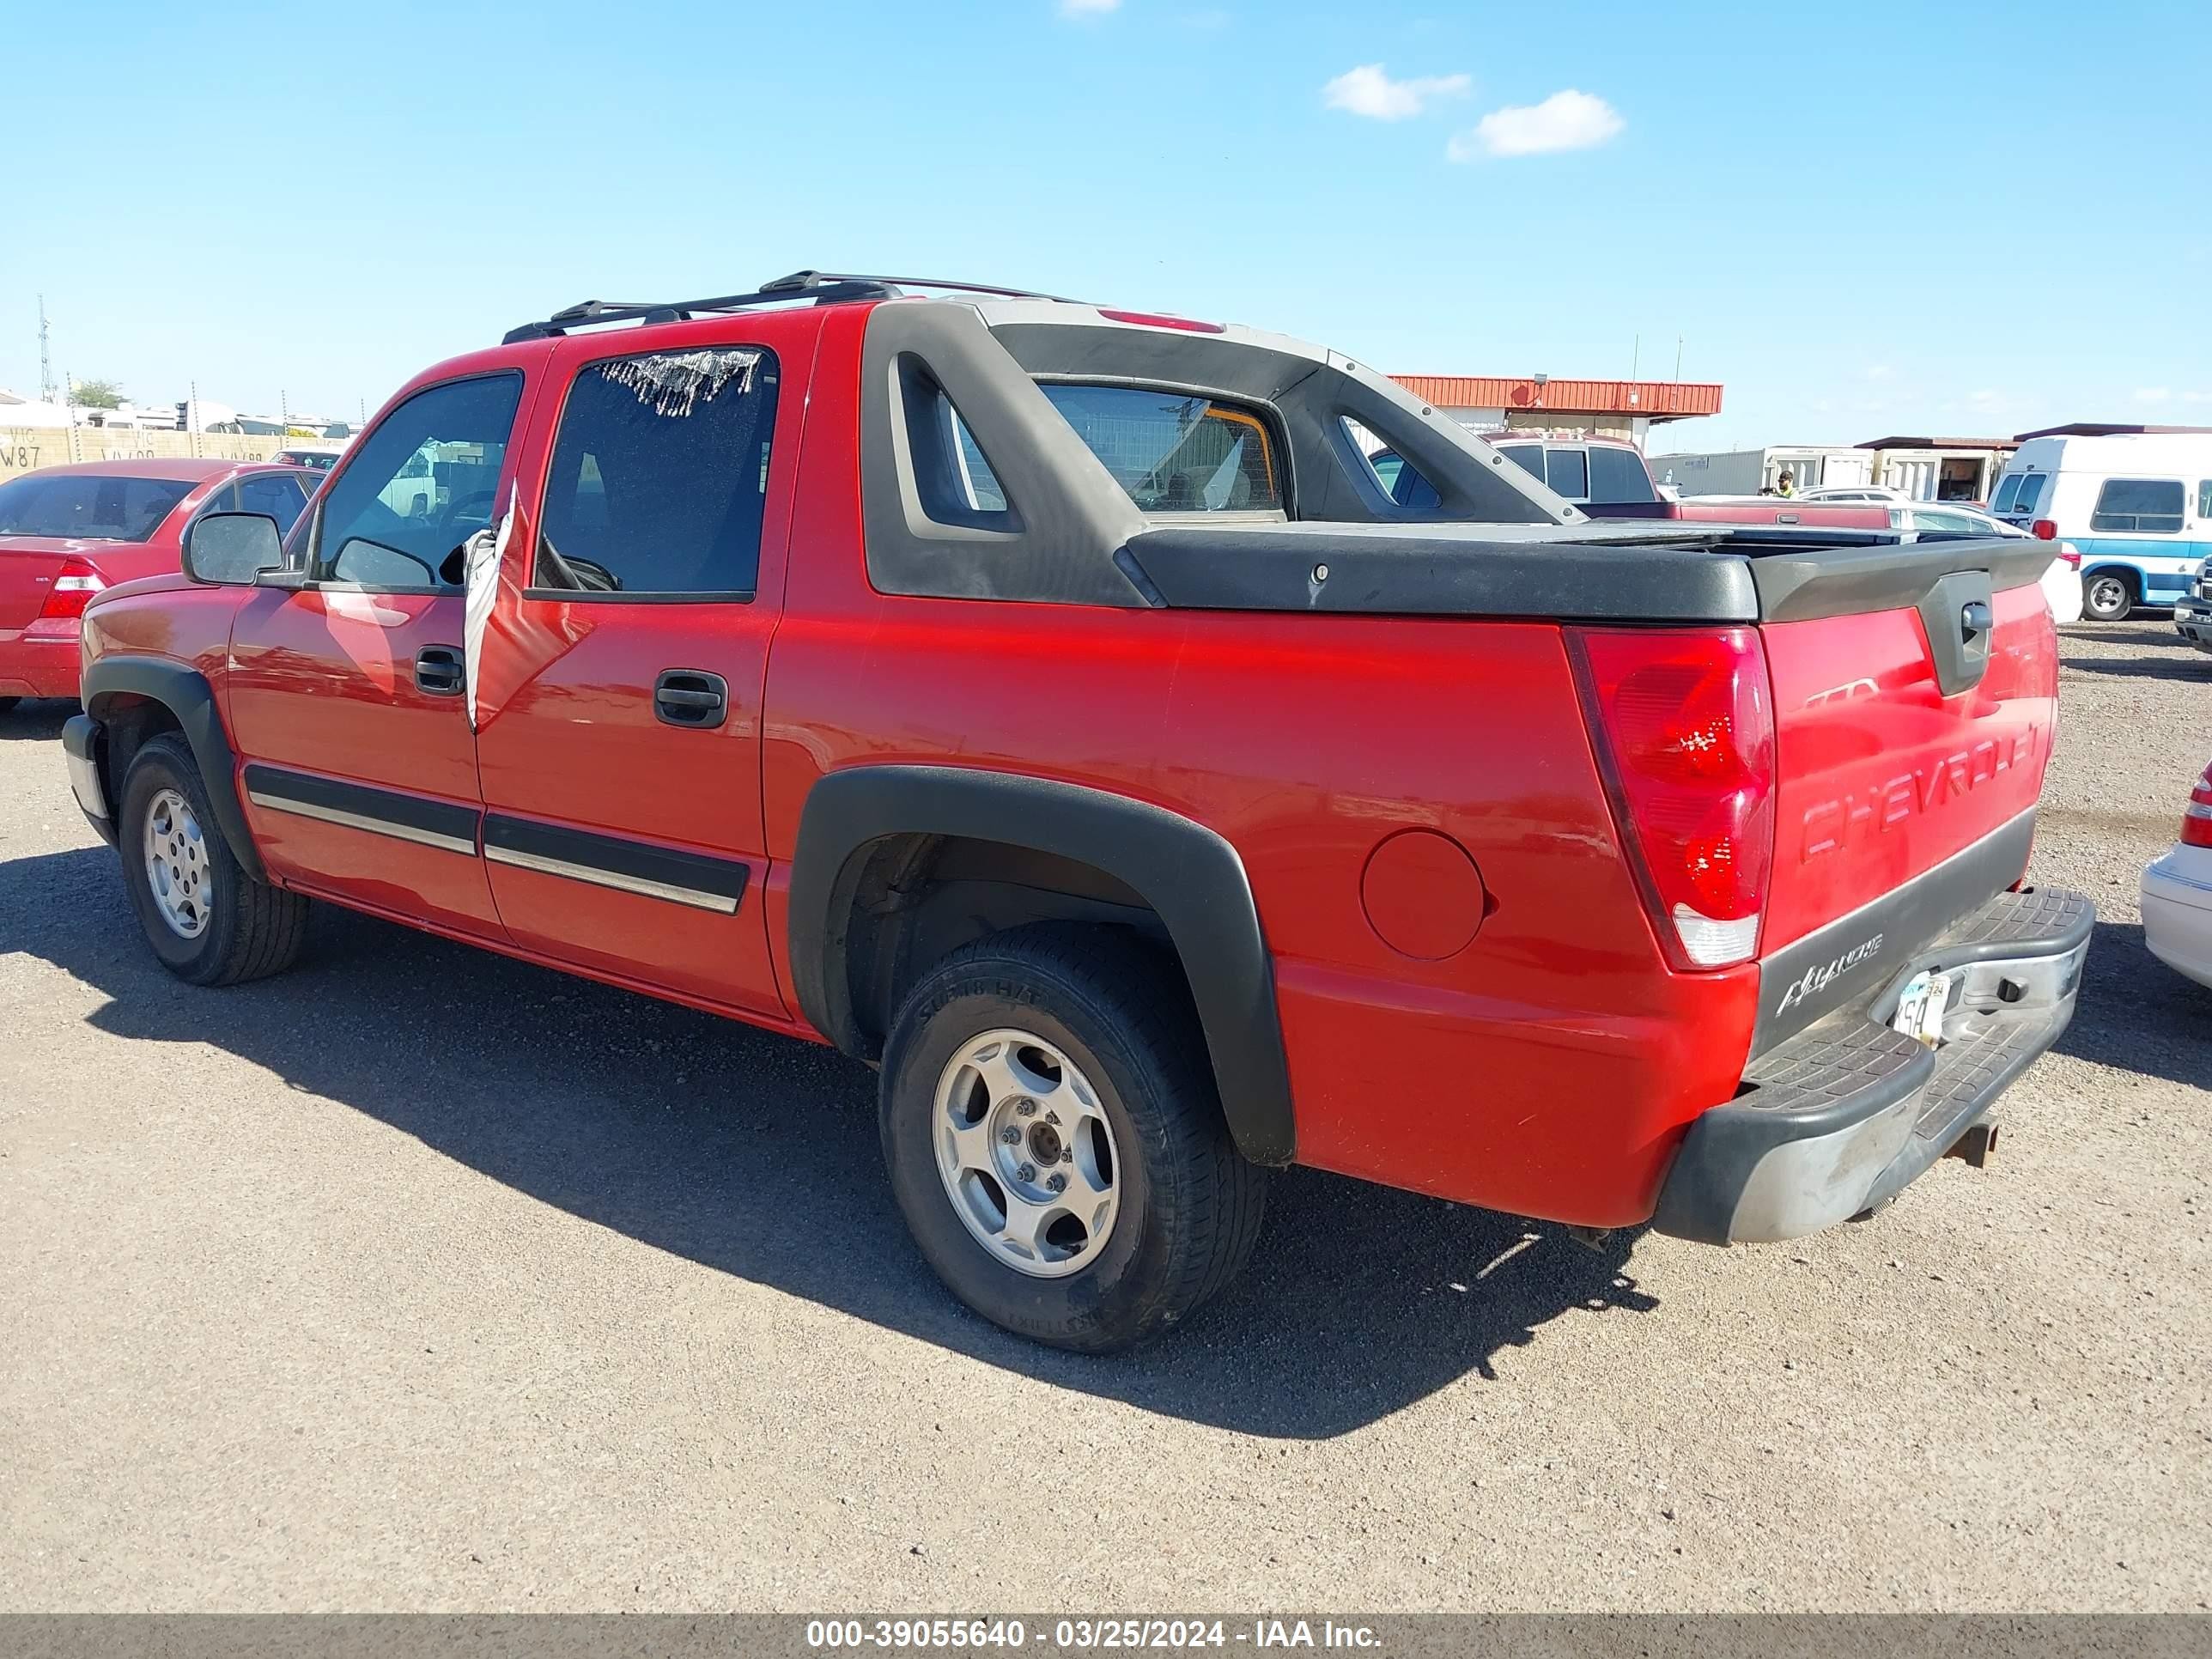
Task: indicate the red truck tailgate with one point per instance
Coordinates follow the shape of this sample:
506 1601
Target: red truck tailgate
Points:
1883 774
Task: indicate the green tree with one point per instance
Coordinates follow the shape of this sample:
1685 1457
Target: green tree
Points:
97 394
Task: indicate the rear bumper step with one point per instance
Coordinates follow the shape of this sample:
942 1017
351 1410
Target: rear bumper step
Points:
1840 1117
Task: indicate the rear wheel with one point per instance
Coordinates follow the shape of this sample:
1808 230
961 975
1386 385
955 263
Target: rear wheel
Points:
208 921
2108 595
6 704
1055 1142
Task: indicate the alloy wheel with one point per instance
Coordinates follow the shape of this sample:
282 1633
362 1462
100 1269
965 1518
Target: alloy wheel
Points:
177 867
1026 1153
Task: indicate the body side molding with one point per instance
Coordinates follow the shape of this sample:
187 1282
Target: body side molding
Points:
446 824
1190 876
621 862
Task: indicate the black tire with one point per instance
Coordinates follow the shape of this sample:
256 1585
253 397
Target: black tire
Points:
252 930
1190 1205
2108 595
6 704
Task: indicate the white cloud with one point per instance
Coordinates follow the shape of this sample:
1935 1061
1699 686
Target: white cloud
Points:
1088 7
1880 371
1368 91
1565 120
2152 394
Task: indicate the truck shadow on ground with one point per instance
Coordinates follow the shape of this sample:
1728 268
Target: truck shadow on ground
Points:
2137 1014
757 1155
2152 627
2194 666
35 722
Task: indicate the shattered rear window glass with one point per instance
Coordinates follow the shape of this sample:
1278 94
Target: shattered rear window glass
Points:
659 477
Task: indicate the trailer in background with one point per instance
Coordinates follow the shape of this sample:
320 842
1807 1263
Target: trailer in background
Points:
1755 472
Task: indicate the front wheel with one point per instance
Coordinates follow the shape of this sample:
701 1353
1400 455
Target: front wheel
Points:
1055 1140
2108 596
208 921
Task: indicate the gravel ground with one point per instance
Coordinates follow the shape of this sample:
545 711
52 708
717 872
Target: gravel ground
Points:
420 1278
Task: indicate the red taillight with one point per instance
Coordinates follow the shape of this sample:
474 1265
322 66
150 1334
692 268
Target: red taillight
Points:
2043 530
2196 817
2069 554
1684 729
72 591
1154 320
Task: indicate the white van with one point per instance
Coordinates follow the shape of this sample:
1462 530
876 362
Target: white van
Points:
2138 506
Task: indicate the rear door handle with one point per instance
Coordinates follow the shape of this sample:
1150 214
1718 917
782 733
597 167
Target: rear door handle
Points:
691 697
438 671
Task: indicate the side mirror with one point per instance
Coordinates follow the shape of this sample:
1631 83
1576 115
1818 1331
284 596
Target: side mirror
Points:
232 549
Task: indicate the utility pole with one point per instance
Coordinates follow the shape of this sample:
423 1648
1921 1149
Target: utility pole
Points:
1678 360
45 357
1635 359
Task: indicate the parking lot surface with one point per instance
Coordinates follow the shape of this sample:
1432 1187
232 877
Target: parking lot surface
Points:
422 1279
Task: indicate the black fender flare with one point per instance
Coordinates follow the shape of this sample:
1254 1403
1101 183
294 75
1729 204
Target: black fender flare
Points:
1191 876
185 693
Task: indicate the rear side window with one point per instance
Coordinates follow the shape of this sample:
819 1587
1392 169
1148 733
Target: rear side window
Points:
1619 475
89 505
2146 506
659 476
1529 458
2205 499
1567 471
1401 479
978 484
1176 453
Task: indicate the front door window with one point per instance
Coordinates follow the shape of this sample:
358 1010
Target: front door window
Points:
417 487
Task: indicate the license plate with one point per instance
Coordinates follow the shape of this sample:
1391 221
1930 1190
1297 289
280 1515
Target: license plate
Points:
1920 1010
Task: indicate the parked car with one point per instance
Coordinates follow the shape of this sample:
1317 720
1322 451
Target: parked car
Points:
2137 506
2192 611
1855 492
68 531
1120 768
2177 892
2061 577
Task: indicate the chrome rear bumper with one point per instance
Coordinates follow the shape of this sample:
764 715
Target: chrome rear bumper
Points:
1842 1116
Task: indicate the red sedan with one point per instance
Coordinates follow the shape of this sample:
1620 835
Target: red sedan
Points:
68 531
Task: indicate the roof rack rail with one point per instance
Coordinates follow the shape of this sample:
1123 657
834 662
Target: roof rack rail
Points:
822 287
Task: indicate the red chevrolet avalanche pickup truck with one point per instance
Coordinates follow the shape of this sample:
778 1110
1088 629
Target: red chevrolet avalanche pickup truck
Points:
1049 706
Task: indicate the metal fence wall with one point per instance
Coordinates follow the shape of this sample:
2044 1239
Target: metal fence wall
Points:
24 449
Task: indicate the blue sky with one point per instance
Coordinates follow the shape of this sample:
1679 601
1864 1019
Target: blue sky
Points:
1863 220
